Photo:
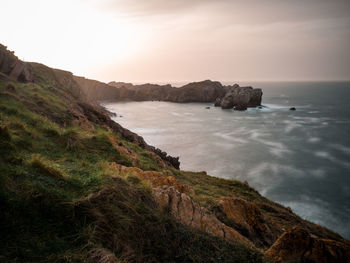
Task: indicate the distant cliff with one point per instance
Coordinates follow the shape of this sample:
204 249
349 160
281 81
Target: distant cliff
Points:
75 186
227 97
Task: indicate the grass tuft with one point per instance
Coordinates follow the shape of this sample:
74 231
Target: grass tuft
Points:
45 167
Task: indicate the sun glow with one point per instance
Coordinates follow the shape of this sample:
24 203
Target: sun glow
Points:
70 35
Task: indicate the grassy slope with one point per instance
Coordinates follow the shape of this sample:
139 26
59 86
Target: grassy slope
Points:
58 201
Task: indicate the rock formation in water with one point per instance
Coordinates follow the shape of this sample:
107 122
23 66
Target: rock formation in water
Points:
88 190
228 97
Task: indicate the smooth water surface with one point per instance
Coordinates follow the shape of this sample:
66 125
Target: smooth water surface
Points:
298 158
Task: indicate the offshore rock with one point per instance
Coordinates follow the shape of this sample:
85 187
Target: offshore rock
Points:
241 98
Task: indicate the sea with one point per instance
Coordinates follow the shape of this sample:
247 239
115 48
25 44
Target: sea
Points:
300 159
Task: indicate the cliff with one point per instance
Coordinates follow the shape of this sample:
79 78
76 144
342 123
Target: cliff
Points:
227 97
77 187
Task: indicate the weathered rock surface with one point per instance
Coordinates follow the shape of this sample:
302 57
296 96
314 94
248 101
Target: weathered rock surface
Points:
298 245
217 102
204 91
241 98
96 90
247 218
13 67
190 213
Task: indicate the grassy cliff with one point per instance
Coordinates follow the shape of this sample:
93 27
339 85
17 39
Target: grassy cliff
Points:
63 200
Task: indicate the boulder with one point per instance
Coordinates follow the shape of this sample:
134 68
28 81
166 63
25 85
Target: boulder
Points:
298 245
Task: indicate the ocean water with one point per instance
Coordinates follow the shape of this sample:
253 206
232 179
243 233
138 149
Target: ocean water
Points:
300 158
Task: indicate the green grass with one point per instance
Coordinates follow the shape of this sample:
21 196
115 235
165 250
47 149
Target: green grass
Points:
59 201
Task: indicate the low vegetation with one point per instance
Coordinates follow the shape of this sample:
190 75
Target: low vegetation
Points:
61 202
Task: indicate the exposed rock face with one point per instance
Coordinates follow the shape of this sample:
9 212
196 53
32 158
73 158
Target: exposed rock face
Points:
190 213
120 84
204 91
13 67
297 245
241 98
217 102
96 90
247 219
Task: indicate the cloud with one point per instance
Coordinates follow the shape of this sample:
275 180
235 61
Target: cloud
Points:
240 11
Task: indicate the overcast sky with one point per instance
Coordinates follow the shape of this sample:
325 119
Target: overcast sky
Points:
183 40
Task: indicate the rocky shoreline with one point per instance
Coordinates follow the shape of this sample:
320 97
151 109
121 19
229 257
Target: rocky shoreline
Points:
138 191
226 97
207 91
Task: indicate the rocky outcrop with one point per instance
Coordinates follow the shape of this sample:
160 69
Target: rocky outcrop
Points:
247 218
190 213
169 192
298 245
240 98
13 67
204 91
227 97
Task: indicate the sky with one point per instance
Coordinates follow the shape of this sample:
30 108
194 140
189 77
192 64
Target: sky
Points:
183 40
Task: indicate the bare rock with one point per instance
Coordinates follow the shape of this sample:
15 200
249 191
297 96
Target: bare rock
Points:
227 101
13 67
217 102
298 245
240 107
190 213
241 98
248 219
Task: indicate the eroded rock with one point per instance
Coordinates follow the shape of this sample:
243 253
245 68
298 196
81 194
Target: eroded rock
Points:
13 67
298 245
241 98
247 219
190 213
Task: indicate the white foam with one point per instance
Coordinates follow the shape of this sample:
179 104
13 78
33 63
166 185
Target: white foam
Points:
314 139
341 148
